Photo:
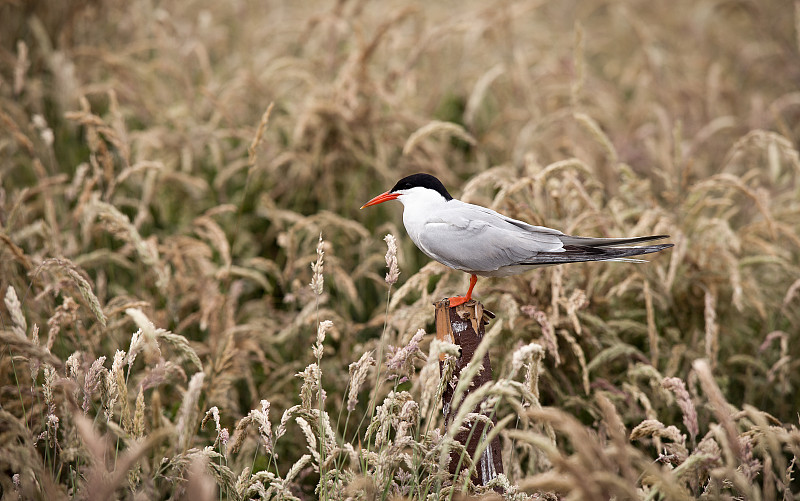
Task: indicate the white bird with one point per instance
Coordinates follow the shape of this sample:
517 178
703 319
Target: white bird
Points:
483 242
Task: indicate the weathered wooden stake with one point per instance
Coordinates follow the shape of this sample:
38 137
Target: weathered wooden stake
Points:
464 325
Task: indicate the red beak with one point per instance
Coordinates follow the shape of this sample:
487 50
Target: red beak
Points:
383 197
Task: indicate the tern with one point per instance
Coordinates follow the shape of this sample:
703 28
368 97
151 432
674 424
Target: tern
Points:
485 243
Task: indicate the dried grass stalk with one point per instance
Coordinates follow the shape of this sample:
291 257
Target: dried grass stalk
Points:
677 387
719 405
479 91
711 327
187 413
358 374
652 334
252 150
75 276
19 325
391 260
597 133
436 127
118 224
318 279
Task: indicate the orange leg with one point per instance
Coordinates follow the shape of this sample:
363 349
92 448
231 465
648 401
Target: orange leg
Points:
457 300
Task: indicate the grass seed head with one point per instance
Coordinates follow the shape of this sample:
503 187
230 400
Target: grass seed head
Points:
138 416
261 418
317 279
50 379
18 324
548 333
358 374
186 414
311 438
66 314
75 275
318 349
391 260
112 384
676 386
50 434
92 380
400 361
311 380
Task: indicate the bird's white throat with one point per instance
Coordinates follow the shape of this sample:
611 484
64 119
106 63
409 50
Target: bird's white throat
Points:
420 205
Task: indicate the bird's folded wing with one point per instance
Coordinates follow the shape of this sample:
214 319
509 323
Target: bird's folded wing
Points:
483 240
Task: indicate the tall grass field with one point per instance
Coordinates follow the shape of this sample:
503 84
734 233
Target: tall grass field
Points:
194 307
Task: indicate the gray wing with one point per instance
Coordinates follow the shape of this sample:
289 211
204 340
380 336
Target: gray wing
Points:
472 238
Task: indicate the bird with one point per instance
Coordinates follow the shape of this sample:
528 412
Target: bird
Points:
483 242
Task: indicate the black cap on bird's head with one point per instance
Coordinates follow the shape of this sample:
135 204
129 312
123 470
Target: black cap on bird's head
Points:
420 180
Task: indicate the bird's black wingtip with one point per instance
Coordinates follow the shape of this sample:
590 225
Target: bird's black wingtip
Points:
649 238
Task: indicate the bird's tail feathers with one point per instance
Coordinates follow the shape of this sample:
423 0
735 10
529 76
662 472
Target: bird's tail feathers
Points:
627 260
608 242
580 253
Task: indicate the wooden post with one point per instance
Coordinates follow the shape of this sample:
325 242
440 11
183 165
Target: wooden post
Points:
464 325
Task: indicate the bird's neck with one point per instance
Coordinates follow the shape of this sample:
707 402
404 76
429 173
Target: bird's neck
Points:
418 211
422 207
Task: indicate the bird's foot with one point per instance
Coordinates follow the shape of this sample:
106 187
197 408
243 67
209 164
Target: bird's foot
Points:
458 300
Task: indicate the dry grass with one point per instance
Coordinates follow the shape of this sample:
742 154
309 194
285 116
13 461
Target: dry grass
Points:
167 171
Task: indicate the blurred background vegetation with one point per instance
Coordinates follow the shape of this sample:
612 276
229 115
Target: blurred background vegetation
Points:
140 169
